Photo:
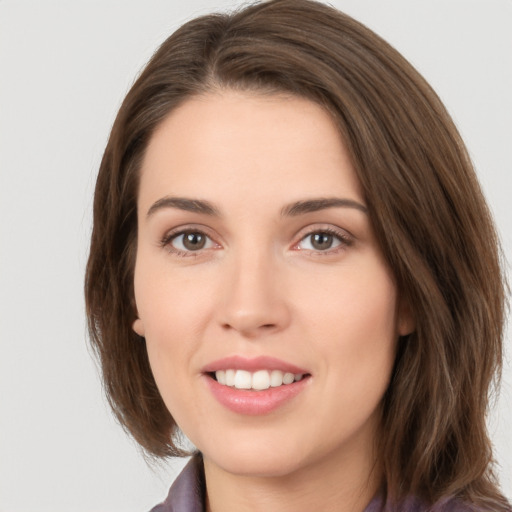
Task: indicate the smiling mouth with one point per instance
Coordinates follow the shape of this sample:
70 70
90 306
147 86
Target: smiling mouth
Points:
256 381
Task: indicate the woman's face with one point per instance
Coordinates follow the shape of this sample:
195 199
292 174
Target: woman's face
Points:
257 265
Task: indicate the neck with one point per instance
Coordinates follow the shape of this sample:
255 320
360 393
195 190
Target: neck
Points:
341 483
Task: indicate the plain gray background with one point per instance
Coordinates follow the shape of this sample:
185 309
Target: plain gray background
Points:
64 69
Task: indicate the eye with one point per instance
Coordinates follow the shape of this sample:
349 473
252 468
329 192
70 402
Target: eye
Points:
323 241
188 241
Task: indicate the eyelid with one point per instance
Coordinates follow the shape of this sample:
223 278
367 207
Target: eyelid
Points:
166 240
346 238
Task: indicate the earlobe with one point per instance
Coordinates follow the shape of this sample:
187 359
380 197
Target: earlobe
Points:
138 327
406 323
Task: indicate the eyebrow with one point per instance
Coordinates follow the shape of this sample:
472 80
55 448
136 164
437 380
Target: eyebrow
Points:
314 205
291 210
182 203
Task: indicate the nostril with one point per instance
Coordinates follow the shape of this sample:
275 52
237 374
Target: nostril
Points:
266 327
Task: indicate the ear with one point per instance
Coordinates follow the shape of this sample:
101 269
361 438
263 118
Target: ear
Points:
138 327
406 323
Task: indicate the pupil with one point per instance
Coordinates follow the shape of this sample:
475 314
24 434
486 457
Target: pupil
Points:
194 241
322 241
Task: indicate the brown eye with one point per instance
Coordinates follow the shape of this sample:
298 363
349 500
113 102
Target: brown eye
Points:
194 241
190 241
321 241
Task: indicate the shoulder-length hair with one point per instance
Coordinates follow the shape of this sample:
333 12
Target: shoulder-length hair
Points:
424 202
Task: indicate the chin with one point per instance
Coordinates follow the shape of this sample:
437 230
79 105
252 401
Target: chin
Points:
271 466
258 458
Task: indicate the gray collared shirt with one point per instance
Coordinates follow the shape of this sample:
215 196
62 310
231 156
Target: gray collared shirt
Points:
187 494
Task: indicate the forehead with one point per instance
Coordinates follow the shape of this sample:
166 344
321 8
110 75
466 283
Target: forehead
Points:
257 145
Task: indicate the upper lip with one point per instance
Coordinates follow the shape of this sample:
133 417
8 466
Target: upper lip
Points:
252 364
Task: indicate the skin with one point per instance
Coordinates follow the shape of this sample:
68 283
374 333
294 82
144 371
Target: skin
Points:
259 286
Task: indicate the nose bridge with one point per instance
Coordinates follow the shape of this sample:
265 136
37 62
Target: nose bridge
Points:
253 301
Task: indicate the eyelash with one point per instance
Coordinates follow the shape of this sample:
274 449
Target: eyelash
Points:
345 240
166 242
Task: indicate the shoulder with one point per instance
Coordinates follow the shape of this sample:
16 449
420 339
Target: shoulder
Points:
187 491
414 504
453 505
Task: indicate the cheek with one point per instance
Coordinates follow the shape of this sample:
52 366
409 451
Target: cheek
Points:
354 324
171 347
176 307
356 303
171 310
169 303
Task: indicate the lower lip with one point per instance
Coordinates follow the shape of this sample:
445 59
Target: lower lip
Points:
254 403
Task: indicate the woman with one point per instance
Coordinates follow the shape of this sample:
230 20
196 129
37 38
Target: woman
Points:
292 263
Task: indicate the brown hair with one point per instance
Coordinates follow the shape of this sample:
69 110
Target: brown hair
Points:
424 202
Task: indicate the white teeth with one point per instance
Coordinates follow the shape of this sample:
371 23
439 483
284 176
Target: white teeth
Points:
230 377
276 378
260 380
243 379
221 376
288 378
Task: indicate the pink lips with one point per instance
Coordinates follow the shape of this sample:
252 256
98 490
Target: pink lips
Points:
252 365
252 402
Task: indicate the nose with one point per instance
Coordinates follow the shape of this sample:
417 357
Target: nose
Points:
253 301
